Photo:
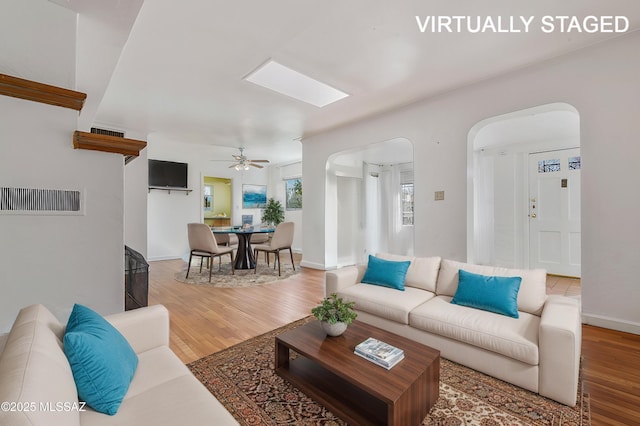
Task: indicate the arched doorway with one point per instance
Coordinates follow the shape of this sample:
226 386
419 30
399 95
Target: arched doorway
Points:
369 202
521 177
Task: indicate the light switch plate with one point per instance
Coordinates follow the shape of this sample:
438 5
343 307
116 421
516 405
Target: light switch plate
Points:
439 195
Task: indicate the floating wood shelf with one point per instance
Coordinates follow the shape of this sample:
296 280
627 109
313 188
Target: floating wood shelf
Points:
39 92
96 142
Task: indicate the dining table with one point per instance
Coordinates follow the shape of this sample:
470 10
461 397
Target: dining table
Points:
244 255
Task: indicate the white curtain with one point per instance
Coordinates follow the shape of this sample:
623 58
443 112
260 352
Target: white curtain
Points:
385 208
372 210
394 237
484 225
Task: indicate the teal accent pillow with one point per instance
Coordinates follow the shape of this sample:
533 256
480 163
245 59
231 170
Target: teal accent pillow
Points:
102 361
386 273
493 294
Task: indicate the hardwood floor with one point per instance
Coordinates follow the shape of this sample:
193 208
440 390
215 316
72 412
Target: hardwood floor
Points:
205 320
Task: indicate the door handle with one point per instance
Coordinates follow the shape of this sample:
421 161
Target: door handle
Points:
533 215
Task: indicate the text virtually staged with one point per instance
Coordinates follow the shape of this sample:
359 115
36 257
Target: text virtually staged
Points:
522 24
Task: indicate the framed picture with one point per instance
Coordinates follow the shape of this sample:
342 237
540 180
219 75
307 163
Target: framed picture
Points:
247 219
254 196
293 188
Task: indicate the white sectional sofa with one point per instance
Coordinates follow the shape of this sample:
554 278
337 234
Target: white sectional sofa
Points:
37 385
539 351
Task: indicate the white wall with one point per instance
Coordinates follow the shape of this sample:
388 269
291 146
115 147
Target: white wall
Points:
350 225
601 83
278 173
54 260
26 53
168 214
135 203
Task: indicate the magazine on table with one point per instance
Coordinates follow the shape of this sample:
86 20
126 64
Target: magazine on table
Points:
387 365
379 352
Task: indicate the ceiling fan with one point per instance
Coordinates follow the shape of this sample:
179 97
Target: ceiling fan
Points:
241 162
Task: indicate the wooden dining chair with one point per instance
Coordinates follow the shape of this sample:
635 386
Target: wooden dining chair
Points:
203 244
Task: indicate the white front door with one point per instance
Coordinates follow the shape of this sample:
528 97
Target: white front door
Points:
554 211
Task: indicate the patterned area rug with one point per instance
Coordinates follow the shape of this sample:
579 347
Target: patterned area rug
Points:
243 380
242 278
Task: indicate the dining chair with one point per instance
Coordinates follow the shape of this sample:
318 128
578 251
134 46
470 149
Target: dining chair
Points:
203 244
259 238
226 239
282 240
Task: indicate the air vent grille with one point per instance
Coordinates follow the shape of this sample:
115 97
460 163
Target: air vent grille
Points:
40 201
106 132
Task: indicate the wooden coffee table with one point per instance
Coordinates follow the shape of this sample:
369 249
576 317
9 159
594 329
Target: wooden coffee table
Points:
357 390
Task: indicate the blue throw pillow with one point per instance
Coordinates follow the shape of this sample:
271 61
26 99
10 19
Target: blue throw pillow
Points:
102 361
493 294
386 273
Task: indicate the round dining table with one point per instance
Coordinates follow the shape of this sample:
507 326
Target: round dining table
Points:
244 255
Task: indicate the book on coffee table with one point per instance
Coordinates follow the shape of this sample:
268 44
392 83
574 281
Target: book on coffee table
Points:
380 353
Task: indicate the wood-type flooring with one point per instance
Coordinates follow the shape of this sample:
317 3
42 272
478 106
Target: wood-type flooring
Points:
206 319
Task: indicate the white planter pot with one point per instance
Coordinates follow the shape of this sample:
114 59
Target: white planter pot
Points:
334 329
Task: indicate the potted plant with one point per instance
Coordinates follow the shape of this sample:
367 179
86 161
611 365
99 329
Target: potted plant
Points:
273 213
334 314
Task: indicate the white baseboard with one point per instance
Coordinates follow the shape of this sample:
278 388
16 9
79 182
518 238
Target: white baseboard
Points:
151 259
313 265
611 323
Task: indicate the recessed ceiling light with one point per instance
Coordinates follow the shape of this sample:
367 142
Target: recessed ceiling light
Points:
284 80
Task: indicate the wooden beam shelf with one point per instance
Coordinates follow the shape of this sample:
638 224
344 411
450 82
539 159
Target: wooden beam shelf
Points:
106 143
39 92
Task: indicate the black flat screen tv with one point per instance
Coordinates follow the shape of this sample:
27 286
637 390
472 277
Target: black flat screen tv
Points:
167 174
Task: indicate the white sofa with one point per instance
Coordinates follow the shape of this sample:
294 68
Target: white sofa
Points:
37 386
539 351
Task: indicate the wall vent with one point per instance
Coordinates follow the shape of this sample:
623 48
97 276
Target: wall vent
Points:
41 201
107 132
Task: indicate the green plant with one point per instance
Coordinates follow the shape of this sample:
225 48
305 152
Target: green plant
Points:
333 309
273 213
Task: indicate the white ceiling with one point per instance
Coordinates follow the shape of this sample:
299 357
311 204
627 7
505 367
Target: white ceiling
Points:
180 74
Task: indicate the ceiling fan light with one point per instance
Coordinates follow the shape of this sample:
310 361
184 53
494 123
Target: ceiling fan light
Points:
246 167
237 167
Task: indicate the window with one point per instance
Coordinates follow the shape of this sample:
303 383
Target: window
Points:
406 194
407 203
208 195
547 166
575 163
293 189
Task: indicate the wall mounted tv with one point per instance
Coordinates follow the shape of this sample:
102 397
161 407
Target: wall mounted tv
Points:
167 174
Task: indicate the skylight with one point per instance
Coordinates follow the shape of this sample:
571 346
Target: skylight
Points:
284 80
